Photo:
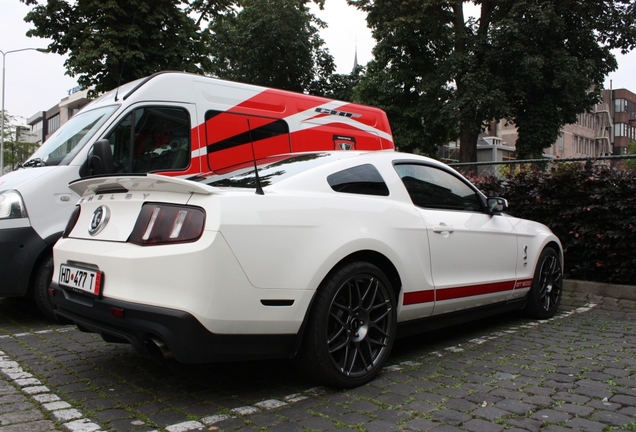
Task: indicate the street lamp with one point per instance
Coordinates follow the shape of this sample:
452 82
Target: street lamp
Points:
42 50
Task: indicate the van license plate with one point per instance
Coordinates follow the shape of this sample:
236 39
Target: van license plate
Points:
80 279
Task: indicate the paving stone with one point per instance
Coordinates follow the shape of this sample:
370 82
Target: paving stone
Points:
363 406
584 425
525 423
381 426
570 397
450 416
20 417
391 415
514 406
317 423
330 410
286 427
353 418
476 425
13 407
624 400
490 413
551 416
612 418
31 426
393 399
461 405
420 424
577 410
420 407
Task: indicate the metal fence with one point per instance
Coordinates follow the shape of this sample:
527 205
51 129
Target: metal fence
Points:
500 168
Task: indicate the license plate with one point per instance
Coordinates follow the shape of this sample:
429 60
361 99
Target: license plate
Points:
80 279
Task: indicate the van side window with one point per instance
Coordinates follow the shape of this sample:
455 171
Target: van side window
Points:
434 188
235 138
151 139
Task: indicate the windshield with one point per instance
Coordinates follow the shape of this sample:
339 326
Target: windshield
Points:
64 144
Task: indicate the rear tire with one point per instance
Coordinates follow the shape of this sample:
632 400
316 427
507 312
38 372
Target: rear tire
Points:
547 286
351 327
42 278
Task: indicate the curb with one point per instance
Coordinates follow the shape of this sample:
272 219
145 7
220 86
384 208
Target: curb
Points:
623 292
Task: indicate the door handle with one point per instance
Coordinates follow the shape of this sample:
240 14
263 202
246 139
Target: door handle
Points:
442 227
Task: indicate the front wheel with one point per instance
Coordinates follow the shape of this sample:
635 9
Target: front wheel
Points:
547 286
42 277
351 327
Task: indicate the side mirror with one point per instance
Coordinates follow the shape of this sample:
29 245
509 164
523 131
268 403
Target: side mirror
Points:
99 160
497 205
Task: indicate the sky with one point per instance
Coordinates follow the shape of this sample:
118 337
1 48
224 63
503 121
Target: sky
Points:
36 81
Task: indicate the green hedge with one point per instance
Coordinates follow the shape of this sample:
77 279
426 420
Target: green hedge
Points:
591 209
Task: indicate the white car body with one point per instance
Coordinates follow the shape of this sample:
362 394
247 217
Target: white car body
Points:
261 258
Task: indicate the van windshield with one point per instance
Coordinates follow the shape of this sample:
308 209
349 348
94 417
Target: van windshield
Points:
64 144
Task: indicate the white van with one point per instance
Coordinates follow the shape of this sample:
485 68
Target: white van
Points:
172 123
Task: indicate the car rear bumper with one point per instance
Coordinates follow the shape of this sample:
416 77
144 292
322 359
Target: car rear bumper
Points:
162 332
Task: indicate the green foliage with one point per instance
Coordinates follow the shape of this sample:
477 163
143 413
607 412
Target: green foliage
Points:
591 209
110 42
404 79
631 163
273 43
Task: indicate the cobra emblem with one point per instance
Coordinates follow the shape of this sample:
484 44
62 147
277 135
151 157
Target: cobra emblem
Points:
100 218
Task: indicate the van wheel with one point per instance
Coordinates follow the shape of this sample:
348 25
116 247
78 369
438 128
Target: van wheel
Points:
40 286
351 327
547 286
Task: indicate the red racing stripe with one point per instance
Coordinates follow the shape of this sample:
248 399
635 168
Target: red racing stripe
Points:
428 296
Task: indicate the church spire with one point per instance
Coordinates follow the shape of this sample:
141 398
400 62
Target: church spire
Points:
355 58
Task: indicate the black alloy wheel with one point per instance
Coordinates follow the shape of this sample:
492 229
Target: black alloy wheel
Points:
547 286
352 327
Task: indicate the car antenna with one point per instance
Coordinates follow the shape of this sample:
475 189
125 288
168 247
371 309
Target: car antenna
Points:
259 188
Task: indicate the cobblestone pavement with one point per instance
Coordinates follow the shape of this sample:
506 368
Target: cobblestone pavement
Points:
574 372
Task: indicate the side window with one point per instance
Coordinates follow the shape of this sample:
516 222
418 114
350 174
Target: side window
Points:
363 179
435 188
234 138
151 139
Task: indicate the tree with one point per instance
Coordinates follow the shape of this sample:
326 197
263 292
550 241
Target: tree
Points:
405 78
532 62
553 58
111 42
273 43
16 147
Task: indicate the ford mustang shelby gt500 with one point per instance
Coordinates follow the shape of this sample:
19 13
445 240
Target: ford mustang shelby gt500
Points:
321 257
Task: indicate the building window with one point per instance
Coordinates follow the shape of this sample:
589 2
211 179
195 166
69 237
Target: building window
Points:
53 123
620 129
620 105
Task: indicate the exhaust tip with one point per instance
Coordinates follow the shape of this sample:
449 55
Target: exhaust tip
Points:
158 348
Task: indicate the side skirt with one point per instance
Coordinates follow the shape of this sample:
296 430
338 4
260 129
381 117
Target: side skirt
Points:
410 328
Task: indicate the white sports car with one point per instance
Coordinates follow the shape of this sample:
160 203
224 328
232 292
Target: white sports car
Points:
321 257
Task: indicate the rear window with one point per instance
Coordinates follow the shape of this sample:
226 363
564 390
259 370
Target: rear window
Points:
270 170
362 180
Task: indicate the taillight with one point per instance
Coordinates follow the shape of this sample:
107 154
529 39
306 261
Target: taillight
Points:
165 223
72 221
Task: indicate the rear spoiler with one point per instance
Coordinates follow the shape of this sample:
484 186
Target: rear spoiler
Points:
123 183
